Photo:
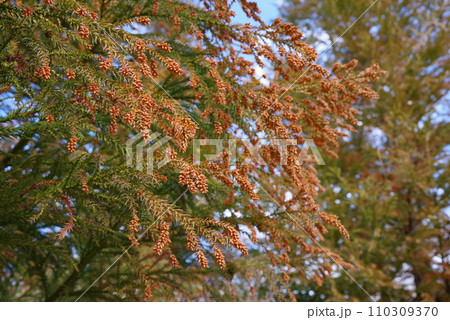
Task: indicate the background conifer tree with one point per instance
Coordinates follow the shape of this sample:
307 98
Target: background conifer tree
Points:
391 180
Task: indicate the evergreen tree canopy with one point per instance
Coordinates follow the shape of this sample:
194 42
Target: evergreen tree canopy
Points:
392 175
79 79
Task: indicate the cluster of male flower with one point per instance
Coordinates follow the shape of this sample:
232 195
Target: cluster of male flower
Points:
193 179
163 239
133 228
69 224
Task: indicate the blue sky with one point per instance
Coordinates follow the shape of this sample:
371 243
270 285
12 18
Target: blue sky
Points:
269 11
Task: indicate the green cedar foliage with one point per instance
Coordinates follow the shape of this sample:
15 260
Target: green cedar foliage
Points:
77 80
